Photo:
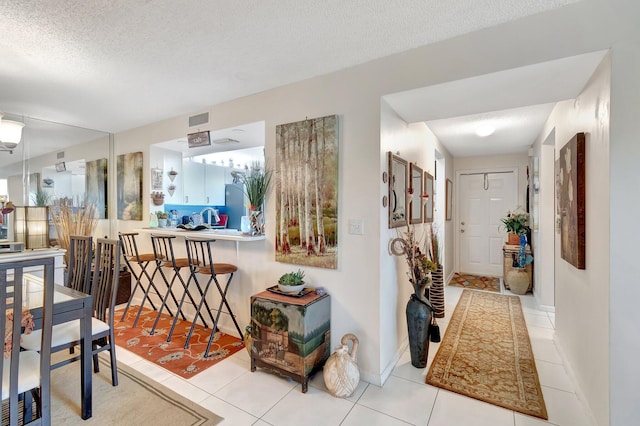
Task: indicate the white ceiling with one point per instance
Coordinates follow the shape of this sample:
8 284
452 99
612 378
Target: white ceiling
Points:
112 65
516 101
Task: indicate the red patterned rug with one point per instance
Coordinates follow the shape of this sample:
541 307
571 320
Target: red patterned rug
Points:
475 282
172 355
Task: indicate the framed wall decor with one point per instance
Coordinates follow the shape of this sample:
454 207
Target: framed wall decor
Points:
416 189
428 190
398 172
129 186
572 201
156 179
306 181
95 179
449 200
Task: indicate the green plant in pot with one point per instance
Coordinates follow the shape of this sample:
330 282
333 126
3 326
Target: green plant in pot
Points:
515 223
163 217
292 282
41 198
256 184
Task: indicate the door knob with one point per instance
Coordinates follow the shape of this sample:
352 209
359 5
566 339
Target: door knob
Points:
462 231
462 223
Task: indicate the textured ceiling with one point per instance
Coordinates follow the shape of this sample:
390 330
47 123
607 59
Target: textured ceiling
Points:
112 65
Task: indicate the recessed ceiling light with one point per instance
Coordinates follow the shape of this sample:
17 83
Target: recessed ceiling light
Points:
485 130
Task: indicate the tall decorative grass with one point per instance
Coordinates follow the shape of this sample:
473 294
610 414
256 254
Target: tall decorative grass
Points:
256 184
73 217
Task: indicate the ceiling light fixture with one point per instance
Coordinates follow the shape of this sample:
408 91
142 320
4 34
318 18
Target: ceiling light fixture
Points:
485 130
10 134
224 141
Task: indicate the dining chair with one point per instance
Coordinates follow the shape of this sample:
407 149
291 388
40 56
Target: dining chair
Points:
79 267
104 286
21 370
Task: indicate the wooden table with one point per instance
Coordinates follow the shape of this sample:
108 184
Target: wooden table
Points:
68 305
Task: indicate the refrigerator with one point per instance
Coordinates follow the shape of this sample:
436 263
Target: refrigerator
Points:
234 201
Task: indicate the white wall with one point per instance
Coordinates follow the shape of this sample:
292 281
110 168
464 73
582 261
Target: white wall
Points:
543 239
414 143
582 296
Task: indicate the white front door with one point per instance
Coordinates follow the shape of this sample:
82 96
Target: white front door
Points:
484 199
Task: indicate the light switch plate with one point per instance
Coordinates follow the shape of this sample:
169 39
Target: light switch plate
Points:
356 226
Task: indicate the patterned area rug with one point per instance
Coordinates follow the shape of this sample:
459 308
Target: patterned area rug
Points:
486 354
135 401
172 355
475 282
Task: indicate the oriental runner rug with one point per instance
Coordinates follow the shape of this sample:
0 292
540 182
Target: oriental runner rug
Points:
475 282
171 355
486 354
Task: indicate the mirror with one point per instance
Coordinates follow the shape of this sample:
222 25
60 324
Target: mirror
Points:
398 171
428 190
415 194
50 161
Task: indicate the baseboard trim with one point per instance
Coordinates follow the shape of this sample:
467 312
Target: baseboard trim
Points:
572 376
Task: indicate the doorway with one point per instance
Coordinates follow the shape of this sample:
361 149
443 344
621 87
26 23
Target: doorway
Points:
485 197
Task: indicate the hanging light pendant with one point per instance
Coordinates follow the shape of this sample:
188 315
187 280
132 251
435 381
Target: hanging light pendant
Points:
10 131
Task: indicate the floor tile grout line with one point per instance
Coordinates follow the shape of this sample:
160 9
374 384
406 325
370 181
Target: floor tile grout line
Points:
235 406
433 406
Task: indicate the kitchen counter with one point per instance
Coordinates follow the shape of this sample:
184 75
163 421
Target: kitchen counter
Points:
218 234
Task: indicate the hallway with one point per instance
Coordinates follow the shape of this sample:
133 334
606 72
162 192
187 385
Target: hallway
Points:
230 390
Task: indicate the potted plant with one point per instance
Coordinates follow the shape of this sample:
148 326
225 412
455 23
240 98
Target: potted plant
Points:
163 217
256 184
292 282
516 225
41 198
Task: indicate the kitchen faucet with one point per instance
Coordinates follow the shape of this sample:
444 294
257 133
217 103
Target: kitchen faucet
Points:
213 214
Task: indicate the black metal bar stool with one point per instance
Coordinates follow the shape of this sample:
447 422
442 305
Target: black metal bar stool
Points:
199 253
163 250
131 255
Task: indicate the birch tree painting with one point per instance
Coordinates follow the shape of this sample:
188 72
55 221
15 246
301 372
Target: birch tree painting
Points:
307 192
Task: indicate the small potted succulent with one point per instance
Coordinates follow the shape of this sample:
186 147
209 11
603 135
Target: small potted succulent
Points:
291 282
163 218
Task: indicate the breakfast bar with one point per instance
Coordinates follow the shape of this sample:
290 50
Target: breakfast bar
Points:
218 234
229 247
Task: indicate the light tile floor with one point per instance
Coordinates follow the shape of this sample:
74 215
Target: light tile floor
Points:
230 390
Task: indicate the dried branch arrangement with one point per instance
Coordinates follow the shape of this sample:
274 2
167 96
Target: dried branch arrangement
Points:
73 217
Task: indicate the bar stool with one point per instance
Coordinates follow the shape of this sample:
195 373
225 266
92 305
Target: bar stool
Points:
163 251
131 255
199 253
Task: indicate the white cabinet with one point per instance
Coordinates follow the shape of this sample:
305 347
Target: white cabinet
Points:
214 185
203 184
193 179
